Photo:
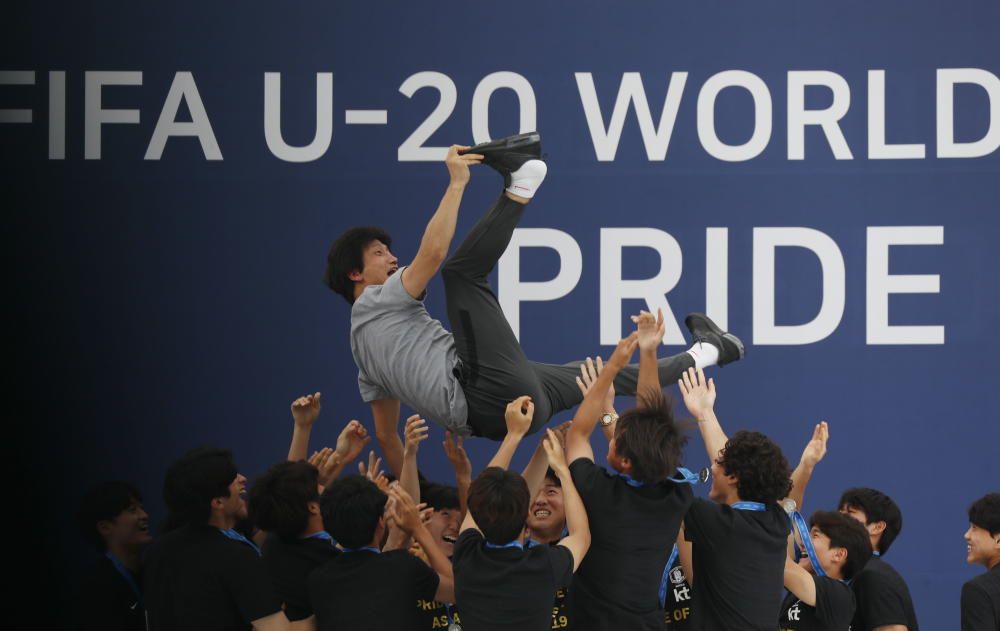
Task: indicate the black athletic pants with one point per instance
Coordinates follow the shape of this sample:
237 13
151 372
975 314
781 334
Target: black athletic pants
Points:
494 370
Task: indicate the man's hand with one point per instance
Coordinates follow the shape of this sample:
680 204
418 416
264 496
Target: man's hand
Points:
561 431
403 510
352 441
624 351
305 410
816 448
327 462
415 432
588 377
651 330
374 471
699 393
554 451
519 414
458 165
459 460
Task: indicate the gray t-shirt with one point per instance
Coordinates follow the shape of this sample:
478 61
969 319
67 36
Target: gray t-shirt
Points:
402 353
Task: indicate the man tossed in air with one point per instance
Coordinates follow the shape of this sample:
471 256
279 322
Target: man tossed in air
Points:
464 379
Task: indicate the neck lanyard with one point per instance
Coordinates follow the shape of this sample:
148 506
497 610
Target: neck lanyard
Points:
235 536
452 625
876 553
323 535
804 535
513 544
682 476
665 579
126 574
371 549
751 506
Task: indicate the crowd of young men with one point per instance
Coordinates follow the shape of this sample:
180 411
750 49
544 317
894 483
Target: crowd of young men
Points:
565 544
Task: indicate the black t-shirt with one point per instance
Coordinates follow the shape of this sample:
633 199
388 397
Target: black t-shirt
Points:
883 598
434 615
633 530
981 602
677 604
106 601
289 562
739 565
833 611
368 590
508 588
197 578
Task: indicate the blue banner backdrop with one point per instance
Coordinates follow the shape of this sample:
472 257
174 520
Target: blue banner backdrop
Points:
821 176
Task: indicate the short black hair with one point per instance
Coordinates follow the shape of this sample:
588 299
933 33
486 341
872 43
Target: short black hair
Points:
351 508
551 476
279 499
845 532
761 469
498 501
985 513
877 507
347 255
649 438
192 482
104 502
439 496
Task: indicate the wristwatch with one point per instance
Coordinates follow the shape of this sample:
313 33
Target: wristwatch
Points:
608 419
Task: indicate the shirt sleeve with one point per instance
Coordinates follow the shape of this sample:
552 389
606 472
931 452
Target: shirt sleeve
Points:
371 391
698 517
424 579
467 541
394 294
977 611
834 602
250 586
561 559
585 474
879 602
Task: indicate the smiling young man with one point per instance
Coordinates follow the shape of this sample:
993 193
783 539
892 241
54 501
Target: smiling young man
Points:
981 595
111 518
463 379
203 574
883 599
822 600
546 525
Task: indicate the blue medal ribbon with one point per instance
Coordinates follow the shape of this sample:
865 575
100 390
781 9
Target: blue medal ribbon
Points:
323 535
235 536
372 549
751 506
513 544
800 525
126 574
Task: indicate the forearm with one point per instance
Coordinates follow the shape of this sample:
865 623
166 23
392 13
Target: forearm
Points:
386 415
649 375
299 449
593 403
506 451
534 473
712 434
463 485
409 477
441 227
577 522
437 559
800 479
800 582
685 556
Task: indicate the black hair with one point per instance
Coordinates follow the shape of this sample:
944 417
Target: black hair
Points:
104 502
498 501
279 499
761 469
439 496
649 438
347 255
192 482
877 507
985 513
551 476
351 508
845 532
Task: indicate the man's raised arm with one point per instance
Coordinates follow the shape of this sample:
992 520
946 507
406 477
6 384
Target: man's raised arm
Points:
699 397
441 228
651 331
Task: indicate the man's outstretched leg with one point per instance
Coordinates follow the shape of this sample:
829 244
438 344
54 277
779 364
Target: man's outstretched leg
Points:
710 346
494 369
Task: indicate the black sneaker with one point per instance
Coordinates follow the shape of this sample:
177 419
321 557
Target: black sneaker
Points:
704 330
508 154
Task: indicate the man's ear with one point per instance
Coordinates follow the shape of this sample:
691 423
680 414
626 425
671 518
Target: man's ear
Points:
876 528
355 275
313 508
839 554
104 527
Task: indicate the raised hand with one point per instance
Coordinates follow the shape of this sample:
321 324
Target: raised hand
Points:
305 410
459 460
816 447
352 441
651 330
519 413
554 451
403 510
624 351
327 462
561 431
588 377
415 432
374 470
458 164
699 393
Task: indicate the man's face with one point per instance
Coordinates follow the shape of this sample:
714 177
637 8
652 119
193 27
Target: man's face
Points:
130 528
828 557
443 526
379 265
859 515
981 546
547 516
236 504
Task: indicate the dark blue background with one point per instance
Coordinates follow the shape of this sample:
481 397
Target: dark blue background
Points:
160 305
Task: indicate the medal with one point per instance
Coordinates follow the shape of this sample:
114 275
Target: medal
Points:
454 626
